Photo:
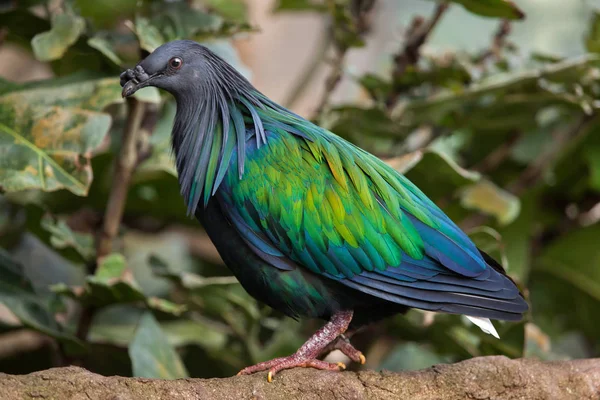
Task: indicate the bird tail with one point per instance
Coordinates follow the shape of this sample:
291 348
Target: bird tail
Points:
485 325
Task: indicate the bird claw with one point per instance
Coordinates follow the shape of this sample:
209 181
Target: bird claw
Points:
343 344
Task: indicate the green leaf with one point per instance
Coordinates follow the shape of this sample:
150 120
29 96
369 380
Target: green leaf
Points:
492 8
300 5
434 75
161 158
111 269
176 20
166 306
51 45
517 239
113 283
592 41
357 124
148 94
12 278
577 267
565 283
485 104
49 134
439 175
435 172
62 237
103 13
188 280
592 156
105 47
117 324
149 36
234 10
151 354
594 163
490 199
17 294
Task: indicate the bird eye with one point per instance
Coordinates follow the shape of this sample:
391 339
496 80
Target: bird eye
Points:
175 62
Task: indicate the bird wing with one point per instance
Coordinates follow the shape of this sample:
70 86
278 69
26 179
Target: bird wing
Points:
332 208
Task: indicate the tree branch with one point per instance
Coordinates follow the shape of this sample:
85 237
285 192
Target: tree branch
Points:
494 377
416 35
494 159
125 165
498 43
360 10
332 80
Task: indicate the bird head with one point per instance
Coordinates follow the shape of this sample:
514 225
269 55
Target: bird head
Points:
177 67
210 94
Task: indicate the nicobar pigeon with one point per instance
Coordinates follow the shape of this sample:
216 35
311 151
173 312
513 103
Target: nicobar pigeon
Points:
310 224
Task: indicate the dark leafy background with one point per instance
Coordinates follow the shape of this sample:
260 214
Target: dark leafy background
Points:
509 147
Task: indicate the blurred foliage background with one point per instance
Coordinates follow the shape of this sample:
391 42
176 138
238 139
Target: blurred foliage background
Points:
490 107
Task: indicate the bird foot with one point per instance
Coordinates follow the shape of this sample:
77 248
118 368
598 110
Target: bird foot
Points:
293 361
306 356
343 344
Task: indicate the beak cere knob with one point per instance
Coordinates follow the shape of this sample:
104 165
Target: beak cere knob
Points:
133 79
129 88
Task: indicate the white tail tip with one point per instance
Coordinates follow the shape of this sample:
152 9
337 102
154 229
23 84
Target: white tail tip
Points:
485 325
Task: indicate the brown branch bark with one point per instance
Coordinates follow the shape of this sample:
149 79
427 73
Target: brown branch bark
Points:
493 377
416 36
360 14
498 43
126 163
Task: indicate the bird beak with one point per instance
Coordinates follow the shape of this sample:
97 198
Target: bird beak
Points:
134 79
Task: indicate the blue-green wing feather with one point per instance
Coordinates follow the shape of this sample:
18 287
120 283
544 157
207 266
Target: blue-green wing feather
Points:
314 201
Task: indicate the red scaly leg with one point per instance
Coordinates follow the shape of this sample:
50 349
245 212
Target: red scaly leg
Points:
306 356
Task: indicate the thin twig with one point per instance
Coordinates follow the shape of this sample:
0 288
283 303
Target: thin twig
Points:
332 80
150 119
498 156
125 165
417 34
498 43
360 13
3 34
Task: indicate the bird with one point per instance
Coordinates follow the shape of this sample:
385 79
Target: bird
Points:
310 224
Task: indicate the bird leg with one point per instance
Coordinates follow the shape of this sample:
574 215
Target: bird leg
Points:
306 356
